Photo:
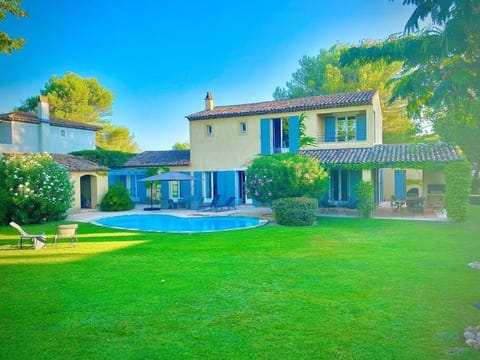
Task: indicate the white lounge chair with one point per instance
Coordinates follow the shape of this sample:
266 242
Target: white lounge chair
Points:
39 240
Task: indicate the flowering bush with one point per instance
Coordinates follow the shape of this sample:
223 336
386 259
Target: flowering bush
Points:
278 176
40 190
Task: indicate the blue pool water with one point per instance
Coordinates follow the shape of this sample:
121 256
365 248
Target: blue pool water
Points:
169 223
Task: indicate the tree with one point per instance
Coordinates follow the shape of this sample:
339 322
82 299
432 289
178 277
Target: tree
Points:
441 68
323 74
181 146
7 43
117 138
84 100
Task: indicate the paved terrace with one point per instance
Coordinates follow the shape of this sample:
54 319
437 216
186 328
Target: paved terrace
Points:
383 211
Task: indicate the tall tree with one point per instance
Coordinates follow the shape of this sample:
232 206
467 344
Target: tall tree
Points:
324 74
441 68
7 43
181 146
84 100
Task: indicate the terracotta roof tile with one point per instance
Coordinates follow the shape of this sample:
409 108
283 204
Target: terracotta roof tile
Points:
32 118
160 158
77 163
387 153
290 105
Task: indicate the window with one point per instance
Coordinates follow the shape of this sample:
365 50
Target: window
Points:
175 189
243 128
62 132
280 135
209 130
210 184
346 128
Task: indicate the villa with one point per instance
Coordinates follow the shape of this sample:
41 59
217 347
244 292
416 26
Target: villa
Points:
349 144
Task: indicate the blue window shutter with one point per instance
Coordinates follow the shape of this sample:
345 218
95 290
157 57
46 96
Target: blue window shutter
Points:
197 184
164 187
330 128
361 127
265 136
355 178
294 133
226 184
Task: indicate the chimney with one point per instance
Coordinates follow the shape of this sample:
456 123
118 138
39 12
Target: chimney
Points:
43 114
209 102
43 111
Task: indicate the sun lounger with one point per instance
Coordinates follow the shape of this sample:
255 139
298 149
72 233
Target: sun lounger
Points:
39 240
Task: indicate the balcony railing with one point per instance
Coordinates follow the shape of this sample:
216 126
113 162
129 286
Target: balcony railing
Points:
324 138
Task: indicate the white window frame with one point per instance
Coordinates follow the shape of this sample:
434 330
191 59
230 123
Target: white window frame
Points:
209 129
346 119
243 127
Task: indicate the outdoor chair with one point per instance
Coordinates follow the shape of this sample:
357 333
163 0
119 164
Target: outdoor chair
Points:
395 204
211 205
230 203
66 232
38 241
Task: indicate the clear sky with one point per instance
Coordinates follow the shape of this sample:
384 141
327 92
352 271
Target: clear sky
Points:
159 58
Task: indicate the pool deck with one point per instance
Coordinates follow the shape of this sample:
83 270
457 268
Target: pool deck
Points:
90 215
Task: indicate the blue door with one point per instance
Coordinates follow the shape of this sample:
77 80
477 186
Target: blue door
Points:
400 184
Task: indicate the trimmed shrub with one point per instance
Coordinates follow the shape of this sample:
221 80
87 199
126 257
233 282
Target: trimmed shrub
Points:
117 198
298 211
40 189
457 187
364 196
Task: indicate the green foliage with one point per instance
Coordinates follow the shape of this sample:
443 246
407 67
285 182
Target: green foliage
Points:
365 199
5 197
181 146
304 139
457 188
297 211
117 198
40 189
324 74
74 98
8 44
109 158
441 69
277 176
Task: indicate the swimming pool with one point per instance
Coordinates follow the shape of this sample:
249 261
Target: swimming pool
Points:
170 223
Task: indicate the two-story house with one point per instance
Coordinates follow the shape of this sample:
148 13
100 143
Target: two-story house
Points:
348 132
24 132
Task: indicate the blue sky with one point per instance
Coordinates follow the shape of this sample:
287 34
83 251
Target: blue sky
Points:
159 58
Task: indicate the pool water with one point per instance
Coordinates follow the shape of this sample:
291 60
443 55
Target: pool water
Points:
169 223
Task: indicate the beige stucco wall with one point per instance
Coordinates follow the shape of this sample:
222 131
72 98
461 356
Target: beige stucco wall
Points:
99 182
228 148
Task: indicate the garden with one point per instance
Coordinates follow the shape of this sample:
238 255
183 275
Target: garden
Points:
350 288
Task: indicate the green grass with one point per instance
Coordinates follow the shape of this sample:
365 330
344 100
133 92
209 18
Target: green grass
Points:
343 289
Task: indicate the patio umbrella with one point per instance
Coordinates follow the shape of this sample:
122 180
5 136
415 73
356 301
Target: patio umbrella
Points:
165 176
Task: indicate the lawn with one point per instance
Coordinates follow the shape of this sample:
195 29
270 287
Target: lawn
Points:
343 289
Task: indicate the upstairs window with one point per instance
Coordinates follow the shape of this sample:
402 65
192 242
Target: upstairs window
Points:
243 128
209 130
346 128
280 135
62 133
